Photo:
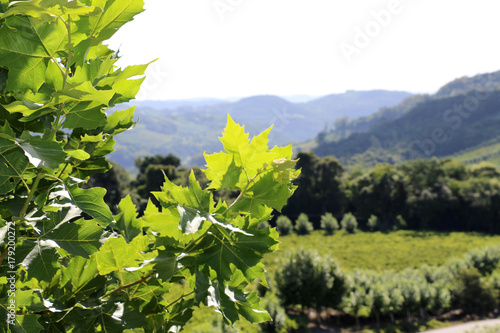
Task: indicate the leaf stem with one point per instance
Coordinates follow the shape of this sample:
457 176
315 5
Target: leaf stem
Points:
169 304
194 241
60 108
242 193
24 210
62 171
143 278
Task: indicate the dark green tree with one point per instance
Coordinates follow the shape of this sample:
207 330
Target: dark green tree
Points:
283 225
349 223
329 223
302 225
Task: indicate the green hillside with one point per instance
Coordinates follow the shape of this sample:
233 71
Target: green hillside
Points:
488 151
438 127
186 131
344 127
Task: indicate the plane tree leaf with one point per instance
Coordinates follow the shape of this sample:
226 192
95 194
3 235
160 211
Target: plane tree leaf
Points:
80 238
27 323
91 201
116 254
127 221
42 153
41 259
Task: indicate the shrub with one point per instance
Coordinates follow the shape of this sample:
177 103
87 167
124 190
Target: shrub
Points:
284 225
373 223
329 223
484 260
308 280
302 225
472 294
349 223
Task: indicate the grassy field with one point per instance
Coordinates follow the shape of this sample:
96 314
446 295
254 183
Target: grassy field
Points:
383 251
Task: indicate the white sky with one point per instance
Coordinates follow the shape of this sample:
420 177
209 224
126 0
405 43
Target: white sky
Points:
287 47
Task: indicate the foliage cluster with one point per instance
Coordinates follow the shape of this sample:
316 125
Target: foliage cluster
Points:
329 223
72 264
440 195
302 225
283 225
349 223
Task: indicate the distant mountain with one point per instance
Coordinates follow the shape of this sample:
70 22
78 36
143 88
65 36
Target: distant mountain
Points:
353 104
173 104
299 98
188 130
463 114
345 127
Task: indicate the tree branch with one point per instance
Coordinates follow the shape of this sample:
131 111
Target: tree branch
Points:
143 278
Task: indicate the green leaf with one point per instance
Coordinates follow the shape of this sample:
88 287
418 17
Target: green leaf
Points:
266 192
165 265
222 171
42 153
85 111
90 167
192 197
80 238
116 255
120 121
41 261
6 131
27 324
13 165
241 251
115 14
27 58
80 279
48 10
91 201
126 221
91 138
30 299
78 154
164 223
244 162
179 314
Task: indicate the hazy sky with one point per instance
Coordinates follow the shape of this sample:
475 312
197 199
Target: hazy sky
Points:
237 48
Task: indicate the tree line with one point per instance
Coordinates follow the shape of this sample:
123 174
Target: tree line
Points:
427 194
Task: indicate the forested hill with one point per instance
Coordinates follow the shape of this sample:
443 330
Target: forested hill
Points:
188 130
460 86
436 127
